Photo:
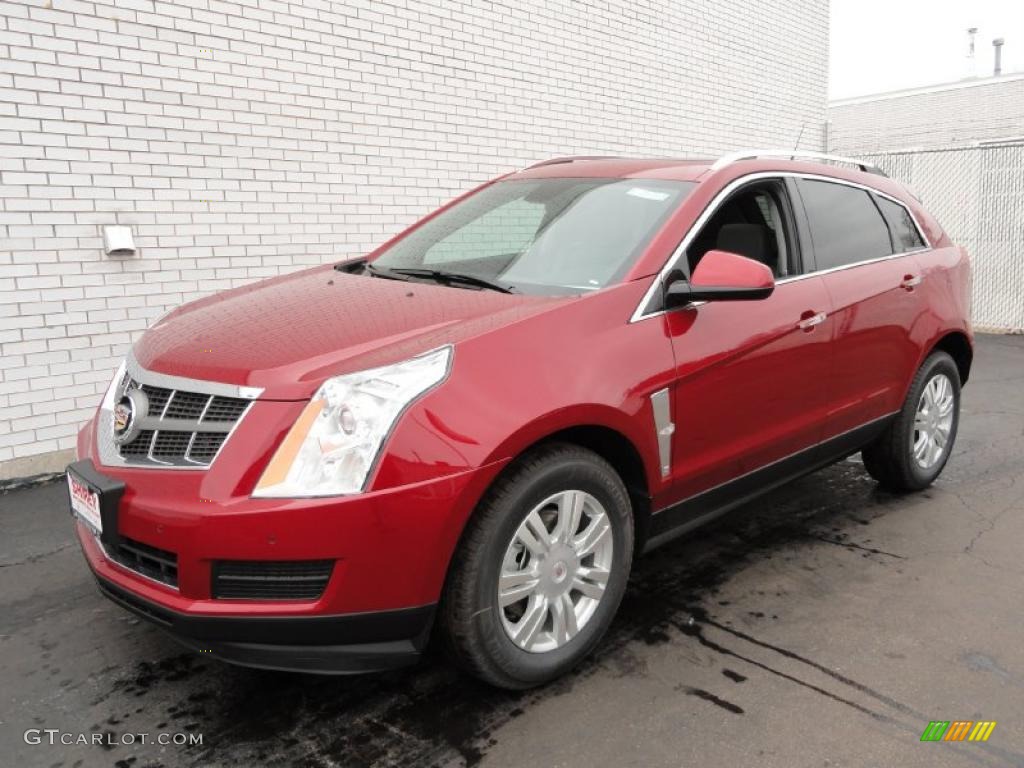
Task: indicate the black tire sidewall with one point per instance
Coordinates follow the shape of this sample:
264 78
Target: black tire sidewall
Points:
567 473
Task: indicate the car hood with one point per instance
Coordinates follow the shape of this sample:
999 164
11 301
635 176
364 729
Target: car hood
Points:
287 334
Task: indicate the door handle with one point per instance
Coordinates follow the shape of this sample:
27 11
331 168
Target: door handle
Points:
909 281
809 319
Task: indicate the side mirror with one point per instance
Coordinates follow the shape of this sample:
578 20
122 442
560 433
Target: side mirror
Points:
721 276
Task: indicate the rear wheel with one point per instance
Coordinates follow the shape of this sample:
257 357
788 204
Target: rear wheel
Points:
915 447
541 569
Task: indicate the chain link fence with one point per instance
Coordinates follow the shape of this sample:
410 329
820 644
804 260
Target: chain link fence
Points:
977 194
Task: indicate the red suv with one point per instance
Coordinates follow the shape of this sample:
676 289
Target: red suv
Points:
475 428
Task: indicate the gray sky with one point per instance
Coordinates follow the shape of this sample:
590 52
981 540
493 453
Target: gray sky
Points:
886 45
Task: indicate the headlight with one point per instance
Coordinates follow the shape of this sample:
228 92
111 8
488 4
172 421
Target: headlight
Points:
332 446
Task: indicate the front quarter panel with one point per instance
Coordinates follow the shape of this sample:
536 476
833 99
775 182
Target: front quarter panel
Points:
579 364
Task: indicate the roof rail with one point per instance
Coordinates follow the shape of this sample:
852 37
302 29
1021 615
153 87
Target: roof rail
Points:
753 154
570 159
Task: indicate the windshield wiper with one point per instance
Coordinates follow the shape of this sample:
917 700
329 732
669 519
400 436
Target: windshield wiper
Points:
443 276
384 272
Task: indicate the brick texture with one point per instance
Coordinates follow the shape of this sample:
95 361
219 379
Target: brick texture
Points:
241 140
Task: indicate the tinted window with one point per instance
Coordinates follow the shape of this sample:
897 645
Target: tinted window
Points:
904 231
846 226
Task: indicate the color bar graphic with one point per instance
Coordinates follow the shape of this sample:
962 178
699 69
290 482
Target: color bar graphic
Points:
958 730
935 731
982 730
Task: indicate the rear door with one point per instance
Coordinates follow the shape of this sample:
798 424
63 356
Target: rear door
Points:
863 250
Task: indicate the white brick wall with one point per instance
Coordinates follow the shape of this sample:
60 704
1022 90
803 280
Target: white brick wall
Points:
939 117
243 139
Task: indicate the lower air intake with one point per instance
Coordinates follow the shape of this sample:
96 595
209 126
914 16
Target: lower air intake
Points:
151 562
271 580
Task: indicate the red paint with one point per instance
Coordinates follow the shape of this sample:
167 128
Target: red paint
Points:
721 268
751 385
748 384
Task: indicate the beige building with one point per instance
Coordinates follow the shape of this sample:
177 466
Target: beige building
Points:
976 111
960 146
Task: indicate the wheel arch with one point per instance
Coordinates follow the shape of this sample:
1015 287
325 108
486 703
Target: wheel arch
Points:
958 346
463 614
619 451
611 443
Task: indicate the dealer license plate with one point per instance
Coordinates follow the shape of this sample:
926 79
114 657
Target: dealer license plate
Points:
85 502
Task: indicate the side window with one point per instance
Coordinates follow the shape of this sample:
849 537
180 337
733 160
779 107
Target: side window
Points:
753 222
846 225
904 231
503 231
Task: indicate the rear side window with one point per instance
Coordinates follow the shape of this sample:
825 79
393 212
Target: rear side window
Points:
904 231
846 225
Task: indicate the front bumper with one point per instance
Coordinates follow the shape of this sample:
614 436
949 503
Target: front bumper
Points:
353 643
390 551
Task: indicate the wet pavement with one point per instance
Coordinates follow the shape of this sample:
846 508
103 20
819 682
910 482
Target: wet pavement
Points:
823 625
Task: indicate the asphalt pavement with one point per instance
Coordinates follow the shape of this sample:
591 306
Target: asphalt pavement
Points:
823 625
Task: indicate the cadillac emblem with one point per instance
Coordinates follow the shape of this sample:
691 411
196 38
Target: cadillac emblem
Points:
133 405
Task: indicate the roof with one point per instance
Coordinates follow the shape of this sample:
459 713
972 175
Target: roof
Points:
696 169
618 167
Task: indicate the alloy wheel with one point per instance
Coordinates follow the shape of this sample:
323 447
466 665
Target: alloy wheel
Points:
555 570
933 421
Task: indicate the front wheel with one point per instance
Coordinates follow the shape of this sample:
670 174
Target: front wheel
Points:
915 447
541 569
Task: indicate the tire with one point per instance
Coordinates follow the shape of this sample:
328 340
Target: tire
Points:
891 459
478 628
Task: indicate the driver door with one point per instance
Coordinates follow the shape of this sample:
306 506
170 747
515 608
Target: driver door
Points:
751 376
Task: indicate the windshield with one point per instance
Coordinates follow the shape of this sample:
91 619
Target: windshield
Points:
547 236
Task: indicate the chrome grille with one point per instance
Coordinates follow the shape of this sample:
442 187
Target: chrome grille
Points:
186 405
158 397
184 425
206 445
184 434
170 445
139 446
225 409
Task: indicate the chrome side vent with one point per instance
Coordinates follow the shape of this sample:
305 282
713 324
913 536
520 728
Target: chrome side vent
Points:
661 405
